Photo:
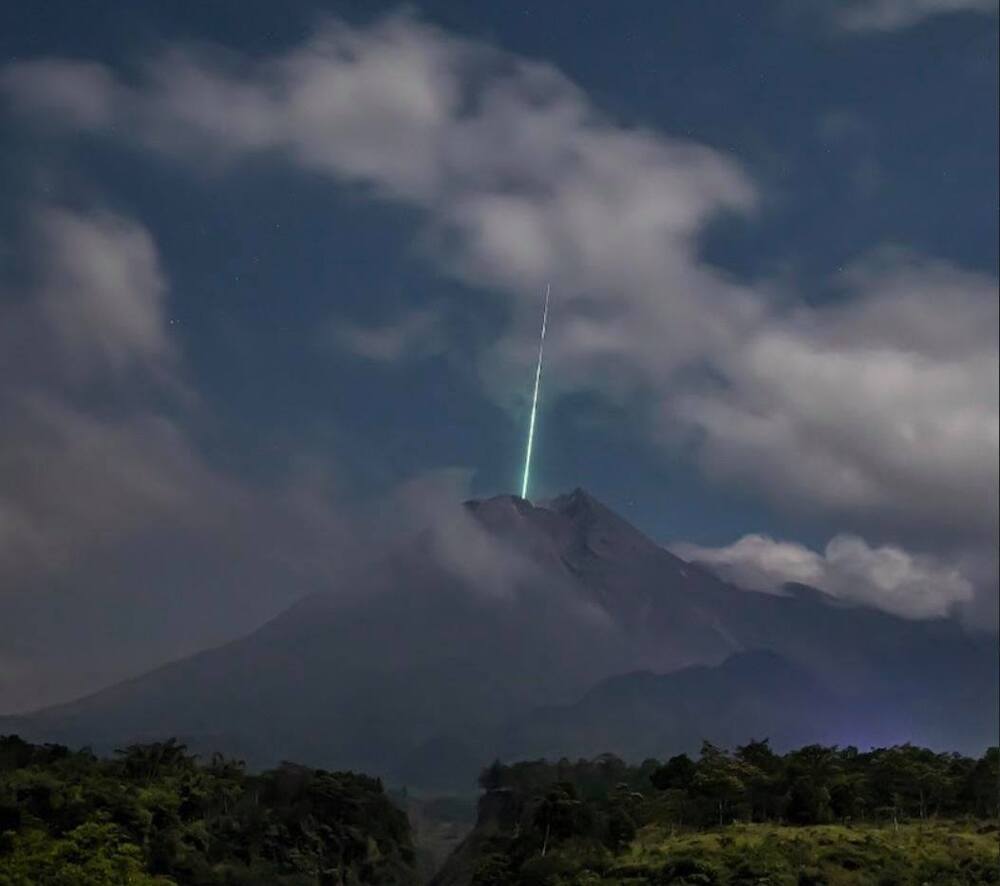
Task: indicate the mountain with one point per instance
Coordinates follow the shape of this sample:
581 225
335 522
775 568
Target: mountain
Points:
506 626
640 714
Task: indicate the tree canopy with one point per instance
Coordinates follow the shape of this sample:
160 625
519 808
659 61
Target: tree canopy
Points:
154 815
592 821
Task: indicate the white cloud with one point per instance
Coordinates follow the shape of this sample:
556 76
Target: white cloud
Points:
101 290
879 406
894 15
94 311
849 569
84 462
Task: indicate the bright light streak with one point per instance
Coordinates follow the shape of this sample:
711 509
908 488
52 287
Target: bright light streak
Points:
534 399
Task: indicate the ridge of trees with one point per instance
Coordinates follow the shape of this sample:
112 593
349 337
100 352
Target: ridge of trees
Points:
577 816
154 815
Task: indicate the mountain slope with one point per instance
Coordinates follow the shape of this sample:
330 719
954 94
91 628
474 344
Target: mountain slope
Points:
751 694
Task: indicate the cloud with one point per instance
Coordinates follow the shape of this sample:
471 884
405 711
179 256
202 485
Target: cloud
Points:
887 577
417 333
74 94
102 291
523 181
881 405
94 311
877 408
121 546
894 15
73 479
84 460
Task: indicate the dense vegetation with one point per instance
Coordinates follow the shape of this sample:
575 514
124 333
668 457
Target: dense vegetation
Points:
155 816
817 815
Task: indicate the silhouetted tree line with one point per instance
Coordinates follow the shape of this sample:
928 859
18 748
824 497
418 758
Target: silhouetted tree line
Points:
155 815
573 822
819 785
609 799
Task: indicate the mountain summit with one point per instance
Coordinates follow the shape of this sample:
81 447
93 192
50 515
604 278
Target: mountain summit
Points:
557 627
574 517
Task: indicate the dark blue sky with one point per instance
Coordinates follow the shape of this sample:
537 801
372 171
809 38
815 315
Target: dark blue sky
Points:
854 140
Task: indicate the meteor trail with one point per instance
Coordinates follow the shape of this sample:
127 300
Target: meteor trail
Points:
534 399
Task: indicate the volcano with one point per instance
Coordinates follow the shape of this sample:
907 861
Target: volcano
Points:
510 628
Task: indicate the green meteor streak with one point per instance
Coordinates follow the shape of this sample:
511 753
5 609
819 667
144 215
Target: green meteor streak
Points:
534 399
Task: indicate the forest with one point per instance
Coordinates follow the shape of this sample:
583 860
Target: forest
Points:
154 815
816 815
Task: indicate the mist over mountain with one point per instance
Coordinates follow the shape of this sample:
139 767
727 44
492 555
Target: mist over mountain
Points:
507 628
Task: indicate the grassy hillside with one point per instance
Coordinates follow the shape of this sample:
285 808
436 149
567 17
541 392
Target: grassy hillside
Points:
154 816
942 853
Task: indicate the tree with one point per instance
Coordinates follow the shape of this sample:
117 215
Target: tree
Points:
491 777
808 802
982 787
677 773
763 770
718 779
148 761
558 815
154 816
495 869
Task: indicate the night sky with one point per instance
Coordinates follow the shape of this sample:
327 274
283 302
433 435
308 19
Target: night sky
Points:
264 266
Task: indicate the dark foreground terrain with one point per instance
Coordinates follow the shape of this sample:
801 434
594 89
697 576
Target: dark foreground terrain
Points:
940 853
817 815
814 816
153 815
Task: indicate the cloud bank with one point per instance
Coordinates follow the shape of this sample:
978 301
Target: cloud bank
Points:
880 406
87 331
886 577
